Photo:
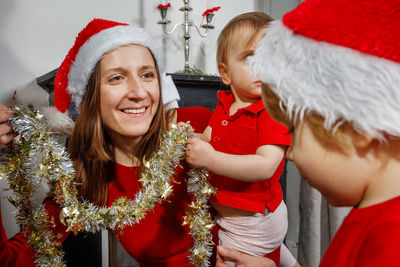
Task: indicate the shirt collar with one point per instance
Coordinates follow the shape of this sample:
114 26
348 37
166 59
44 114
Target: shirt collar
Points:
227 98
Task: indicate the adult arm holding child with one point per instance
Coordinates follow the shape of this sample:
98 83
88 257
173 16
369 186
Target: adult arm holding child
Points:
241 259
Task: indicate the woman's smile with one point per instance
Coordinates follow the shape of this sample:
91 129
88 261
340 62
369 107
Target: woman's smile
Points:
135 111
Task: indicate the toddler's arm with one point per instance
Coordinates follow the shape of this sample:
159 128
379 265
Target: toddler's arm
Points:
249 168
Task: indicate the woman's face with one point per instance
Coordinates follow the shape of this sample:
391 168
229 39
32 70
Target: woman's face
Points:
129 91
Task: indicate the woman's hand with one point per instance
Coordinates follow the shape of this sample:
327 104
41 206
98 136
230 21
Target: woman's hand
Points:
241 259
199 153
6 132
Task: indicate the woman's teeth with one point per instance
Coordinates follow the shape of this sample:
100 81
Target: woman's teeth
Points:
135 111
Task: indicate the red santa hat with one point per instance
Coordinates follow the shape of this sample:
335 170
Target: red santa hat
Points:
97 38
339 59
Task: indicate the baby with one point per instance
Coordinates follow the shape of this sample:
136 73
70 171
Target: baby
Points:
244 149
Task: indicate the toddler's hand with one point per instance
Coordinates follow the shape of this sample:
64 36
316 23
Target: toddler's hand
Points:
198 153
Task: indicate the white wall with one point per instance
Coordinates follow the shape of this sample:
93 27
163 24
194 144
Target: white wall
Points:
36 35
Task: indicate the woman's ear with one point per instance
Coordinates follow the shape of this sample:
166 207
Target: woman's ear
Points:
224 72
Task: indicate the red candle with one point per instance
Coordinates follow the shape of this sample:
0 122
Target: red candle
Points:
164 4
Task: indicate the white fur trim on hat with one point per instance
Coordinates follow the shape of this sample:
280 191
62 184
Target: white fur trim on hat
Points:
99 44
169 91
59 122
339 83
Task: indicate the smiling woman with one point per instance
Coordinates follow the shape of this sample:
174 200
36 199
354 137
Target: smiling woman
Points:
114 75
130 97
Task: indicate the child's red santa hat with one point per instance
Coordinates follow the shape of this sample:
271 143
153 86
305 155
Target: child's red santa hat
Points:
97 38
339 59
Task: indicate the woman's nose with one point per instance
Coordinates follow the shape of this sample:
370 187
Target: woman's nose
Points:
136 90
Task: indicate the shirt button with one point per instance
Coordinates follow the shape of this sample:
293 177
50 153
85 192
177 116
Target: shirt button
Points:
224 122
216 139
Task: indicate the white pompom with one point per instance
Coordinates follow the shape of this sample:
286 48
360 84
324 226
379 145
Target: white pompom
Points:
59 122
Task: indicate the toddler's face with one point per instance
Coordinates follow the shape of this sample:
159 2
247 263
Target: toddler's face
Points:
247 88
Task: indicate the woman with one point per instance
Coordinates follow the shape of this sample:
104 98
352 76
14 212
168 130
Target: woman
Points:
113 74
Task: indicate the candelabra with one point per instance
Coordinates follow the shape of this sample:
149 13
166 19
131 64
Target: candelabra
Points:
186 25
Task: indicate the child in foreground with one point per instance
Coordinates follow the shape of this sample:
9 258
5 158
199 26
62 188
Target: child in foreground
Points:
331 72
244 149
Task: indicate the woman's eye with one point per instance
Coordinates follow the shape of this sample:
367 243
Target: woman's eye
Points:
148 75
116 78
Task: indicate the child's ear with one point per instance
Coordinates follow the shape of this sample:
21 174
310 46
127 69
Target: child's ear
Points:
223 71
362 141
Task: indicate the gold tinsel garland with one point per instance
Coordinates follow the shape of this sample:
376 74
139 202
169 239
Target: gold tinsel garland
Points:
37 157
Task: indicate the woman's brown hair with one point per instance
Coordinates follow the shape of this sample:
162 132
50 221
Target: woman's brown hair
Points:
91 149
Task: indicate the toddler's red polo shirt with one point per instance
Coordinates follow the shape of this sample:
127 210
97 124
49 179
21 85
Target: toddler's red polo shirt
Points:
241 134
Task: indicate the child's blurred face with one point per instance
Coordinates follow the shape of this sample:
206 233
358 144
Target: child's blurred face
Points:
129 91
236 72
337 174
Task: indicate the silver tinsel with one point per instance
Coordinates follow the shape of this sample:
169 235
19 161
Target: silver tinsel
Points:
20 164
37 157
198 217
